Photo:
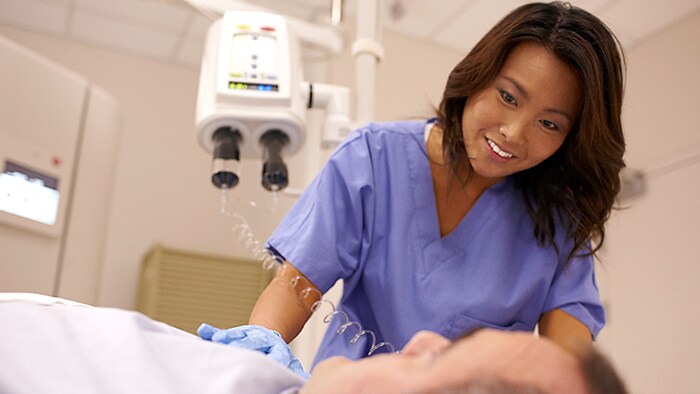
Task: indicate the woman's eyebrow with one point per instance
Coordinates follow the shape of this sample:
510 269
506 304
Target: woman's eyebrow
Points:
523 92
517 85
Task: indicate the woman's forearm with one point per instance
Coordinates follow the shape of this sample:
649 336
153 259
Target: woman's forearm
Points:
285 304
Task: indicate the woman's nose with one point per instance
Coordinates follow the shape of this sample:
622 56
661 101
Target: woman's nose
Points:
513 131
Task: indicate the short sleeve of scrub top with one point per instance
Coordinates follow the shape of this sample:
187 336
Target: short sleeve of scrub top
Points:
370 218
324 232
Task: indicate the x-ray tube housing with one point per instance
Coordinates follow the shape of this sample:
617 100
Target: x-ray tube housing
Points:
250 83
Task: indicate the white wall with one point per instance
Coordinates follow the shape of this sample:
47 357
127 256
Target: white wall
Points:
162 191
651 266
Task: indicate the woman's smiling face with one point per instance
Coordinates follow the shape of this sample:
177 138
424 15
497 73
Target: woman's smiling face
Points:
523 116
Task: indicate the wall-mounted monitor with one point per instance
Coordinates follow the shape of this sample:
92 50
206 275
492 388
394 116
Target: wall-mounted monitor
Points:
29 193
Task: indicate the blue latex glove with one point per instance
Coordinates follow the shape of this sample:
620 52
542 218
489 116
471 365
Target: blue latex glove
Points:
255 338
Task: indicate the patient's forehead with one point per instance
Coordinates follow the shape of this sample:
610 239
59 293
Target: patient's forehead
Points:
513 356
487 355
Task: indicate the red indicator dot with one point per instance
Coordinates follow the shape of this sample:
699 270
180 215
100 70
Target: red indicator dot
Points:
267 28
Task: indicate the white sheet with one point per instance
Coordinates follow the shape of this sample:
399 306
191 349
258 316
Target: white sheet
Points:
57 346
38 299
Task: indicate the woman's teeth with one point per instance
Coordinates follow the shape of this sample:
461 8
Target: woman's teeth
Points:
498 150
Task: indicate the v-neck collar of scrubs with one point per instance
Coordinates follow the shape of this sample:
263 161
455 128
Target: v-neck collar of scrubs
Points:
437 248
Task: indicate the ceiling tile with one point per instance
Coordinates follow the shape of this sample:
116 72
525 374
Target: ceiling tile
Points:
588 5
302 9
125 36
43 16
155 14
593 6
173 31
464 31
649 17
421 18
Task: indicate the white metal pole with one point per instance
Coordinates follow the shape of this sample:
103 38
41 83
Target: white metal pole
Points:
367 52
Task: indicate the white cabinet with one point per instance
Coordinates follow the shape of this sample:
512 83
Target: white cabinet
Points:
58 141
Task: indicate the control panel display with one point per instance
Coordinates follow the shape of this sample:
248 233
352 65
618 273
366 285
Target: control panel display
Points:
254 59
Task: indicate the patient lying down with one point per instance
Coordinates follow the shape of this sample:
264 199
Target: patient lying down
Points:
51 347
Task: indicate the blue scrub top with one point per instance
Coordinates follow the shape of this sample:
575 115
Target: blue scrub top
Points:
370 218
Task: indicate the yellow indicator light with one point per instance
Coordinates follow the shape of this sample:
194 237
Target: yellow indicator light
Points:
242 27
238 85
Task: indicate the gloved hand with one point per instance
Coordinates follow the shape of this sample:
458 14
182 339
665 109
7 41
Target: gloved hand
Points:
255 338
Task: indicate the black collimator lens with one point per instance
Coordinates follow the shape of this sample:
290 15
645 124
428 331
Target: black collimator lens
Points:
274 173
227 157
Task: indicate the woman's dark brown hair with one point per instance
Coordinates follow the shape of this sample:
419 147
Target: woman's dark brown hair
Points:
581 180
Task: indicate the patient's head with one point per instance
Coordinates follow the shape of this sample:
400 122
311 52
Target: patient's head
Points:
487 361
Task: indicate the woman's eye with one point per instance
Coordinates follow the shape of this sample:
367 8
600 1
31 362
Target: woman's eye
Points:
549 125
507 97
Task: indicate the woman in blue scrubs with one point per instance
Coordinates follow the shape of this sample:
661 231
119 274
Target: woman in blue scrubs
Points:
481 217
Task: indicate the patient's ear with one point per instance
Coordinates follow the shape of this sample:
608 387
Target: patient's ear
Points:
425 342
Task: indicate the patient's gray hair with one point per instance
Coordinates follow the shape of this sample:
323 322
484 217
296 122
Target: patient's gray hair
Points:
599 373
